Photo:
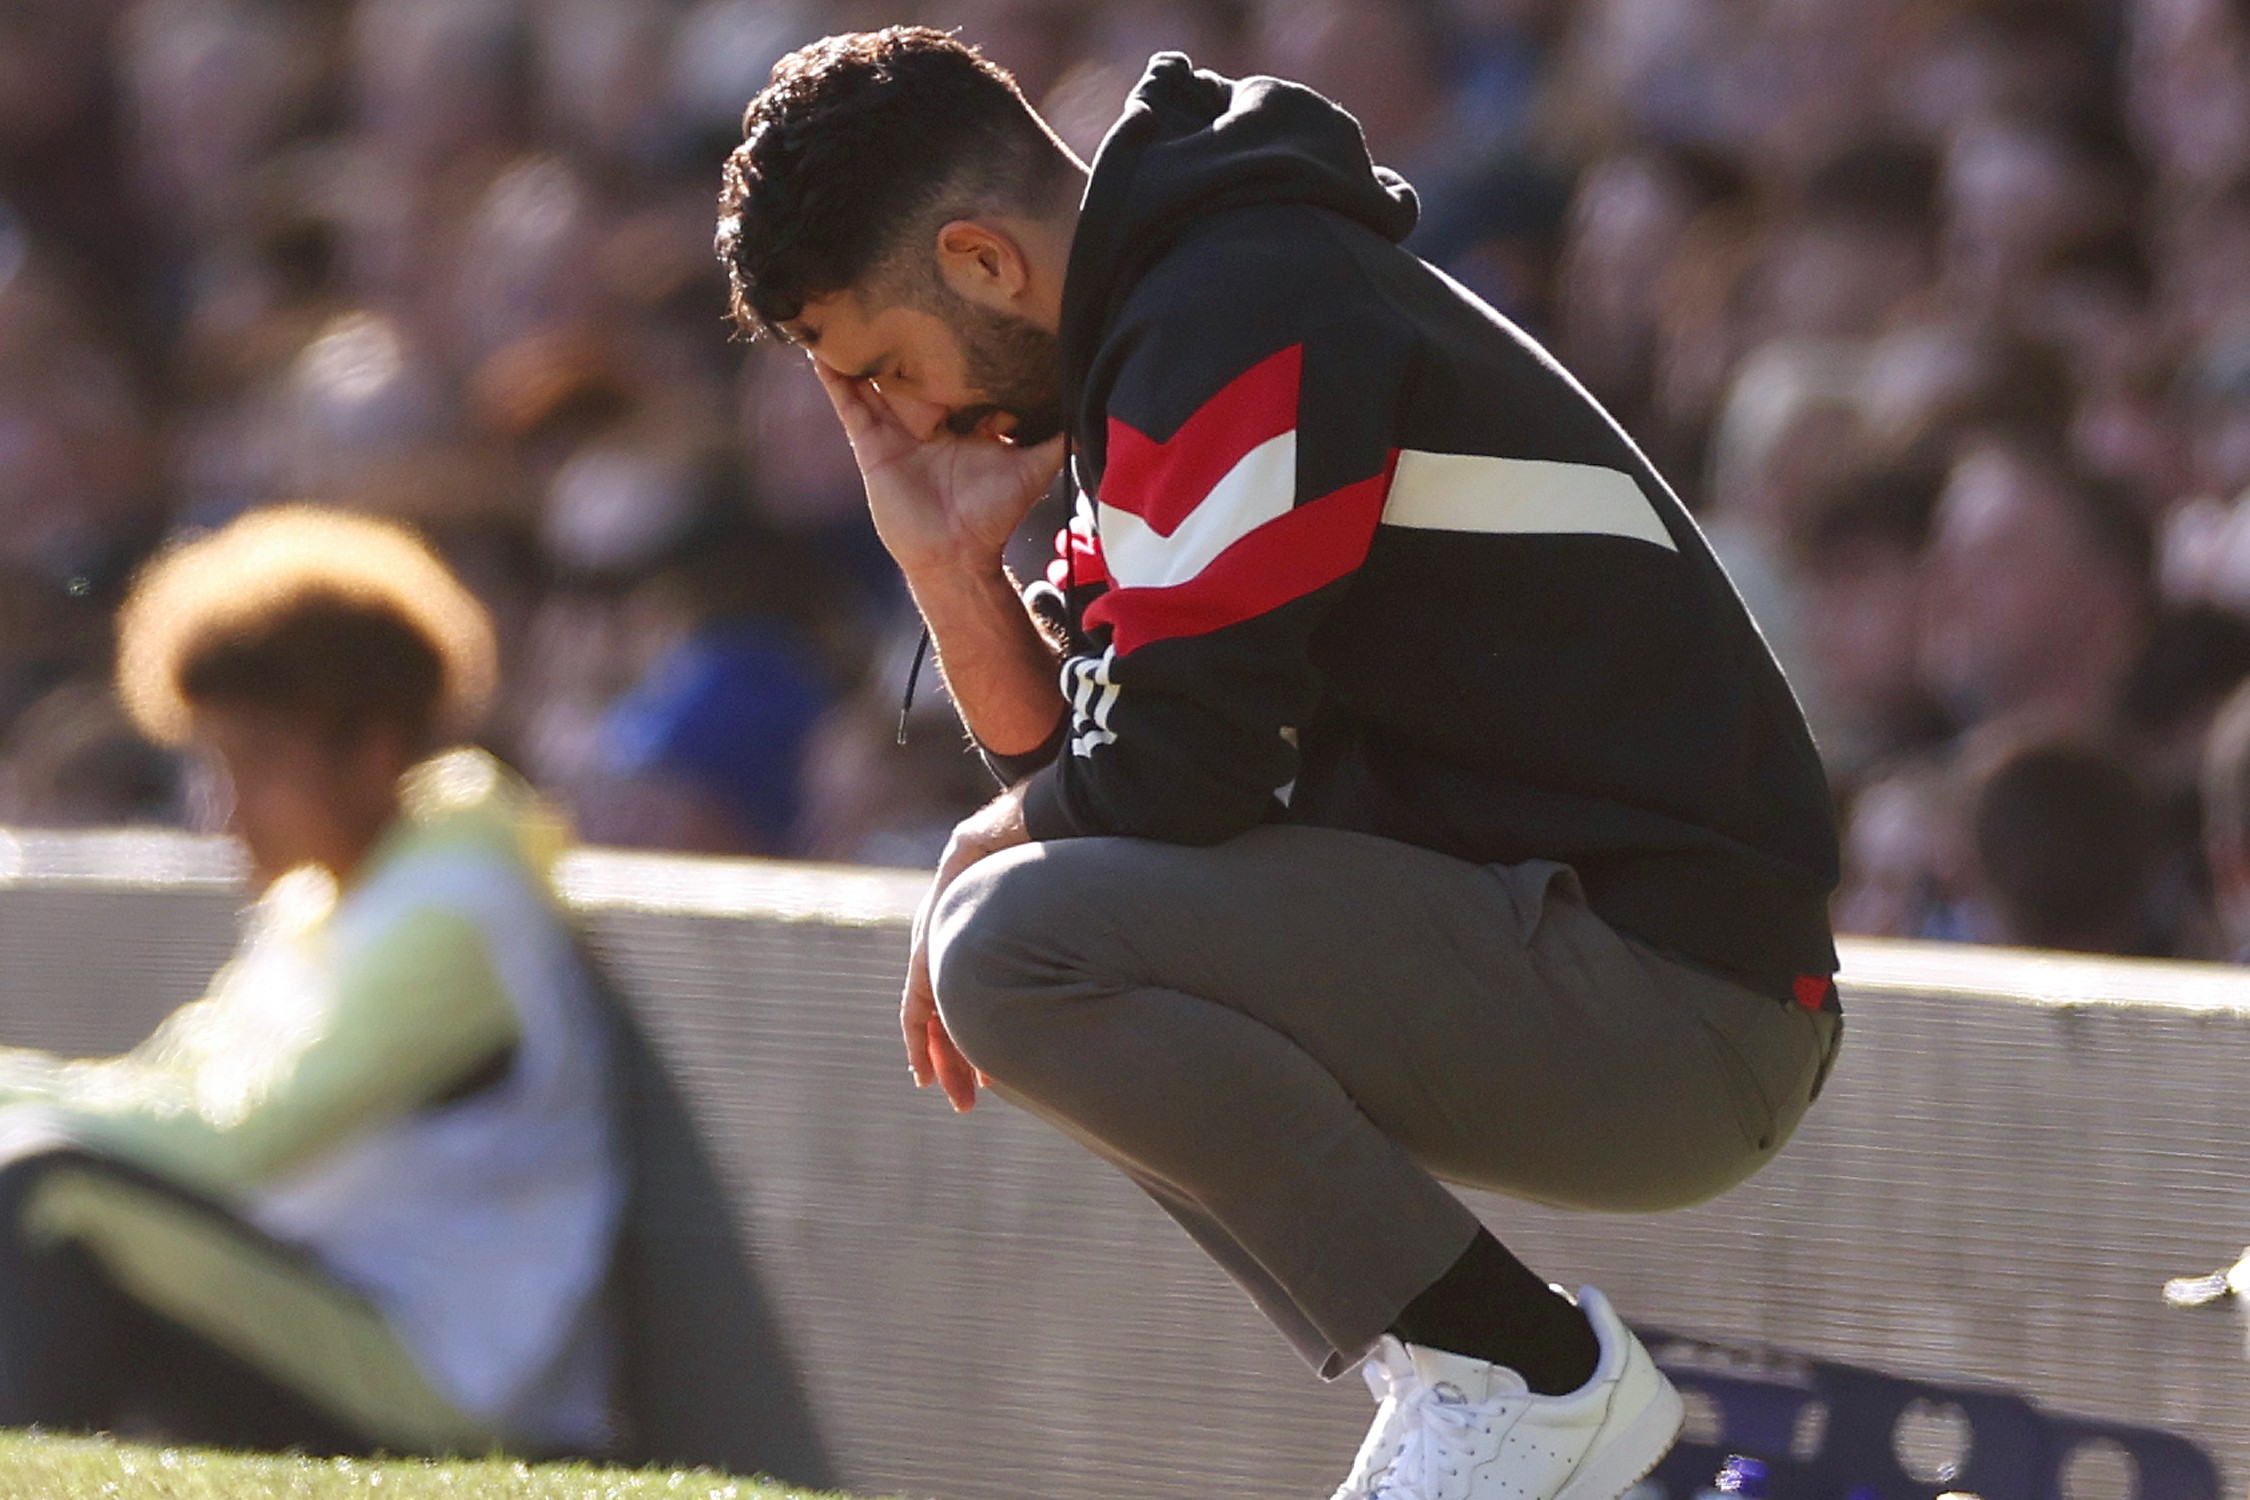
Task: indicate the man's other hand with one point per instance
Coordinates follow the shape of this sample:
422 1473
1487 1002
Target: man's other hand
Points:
930 1052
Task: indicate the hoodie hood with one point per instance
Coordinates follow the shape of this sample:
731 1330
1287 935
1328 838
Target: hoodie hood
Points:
1191 144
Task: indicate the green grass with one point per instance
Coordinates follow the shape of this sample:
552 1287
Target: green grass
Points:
37 1467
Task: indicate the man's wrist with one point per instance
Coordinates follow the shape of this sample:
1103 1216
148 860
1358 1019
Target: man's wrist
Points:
999 824
996 826
954 574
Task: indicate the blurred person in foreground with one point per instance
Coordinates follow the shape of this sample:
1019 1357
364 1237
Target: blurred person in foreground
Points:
361 1196
1417 802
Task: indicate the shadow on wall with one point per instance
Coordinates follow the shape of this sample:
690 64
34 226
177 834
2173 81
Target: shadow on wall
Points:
706 1375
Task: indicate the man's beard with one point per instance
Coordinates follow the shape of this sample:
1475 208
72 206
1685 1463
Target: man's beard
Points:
1016 364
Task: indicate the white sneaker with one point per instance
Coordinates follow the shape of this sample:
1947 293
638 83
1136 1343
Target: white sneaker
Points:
1474 1431
1389 1374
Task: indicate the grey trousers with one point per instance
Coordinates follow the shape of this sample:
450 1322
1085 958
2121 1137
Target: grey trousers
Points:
1290 1039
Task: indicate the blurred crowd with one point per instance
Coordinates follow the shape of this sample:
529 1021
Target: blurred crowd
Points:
1936 311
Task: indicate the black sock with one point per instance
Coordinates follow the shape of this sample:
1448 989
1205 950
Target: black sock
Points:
1491 1307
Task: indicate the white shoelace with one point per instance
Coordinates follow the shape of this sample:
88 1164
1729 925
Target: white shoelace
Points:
1443 1437
1389 1387
1382 1380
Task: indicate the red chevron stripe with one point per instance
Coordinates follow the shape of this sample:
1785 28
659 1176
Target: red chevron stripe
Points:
1285 559
1163 483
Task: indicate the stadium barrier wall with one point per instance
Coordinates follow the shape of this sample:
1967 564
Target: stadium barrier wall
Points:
845 1282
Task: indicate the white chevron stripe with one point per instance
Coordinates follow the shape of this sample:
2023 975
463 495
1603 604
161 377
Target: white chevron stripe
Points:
1429 492
1512 496
1261 487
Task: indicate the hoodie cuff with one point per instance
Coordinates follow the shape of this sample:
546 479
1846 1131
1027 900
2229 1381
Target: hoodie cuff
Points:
1010 769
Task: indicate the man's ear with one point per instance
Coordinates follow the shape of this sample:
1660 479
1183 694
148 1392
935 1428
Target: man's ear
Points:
983 263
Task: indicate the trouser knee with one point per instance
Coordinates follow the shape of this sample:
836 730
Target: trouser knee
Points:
995 956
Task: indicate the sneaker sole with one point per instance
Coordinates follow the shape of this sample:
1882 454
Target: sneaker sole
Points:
1626 1459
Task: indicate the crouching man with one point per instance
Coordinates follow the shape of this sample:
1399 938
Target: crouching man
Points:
363 1194
1398 793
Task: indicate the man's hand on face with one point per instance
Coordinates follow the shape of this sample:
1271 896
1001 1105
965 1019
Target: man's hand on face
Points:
941 503
930 1052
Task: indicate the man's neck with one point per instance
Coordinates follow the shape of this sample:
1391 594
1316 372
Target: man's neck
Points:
361 844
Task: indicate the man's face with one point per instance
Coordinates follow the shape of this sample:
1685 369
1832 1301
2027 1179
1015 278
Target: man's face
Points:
961 368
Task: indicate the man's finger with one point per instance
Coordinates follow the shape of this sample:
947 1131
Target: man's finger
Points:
1042 463
851 407
953 1070
877 435
917 1008
917 1034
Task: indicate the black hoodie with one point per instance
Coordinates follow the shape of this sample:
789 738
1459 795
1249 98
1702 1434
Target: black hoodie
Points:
1360 554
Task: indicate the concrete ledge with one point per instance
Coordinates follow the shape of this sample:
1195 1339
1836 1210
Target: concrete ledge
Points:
595 879
614 880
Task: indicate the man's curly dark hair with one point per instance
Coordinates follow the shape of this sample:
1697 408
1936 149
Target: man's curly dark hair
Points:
857 151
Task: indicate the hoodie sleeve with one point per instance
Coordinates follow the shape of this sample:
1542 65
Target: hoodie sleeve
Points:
1238 493
225 1102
